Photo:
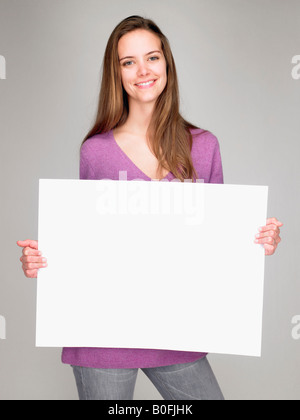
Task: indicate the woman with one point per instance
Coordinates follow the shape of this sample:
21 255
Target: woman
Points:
139 129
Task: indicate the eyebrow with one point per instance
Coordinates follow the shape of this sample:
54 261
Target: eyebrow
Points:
152 52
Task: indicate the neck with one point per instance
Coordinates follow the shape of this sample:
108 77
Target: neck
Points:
139 118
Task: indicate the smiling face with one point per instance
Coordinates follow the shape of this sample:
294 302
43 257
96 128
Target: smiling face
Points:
143 66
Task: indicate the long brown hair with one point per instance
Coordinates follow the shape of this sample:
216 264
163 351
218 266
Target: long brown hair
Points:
168 133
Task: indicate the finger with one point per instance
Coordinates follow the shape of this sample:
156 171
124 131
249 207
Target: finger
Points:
266 240
274 221
33 259
33 266
270 249
268 227
272 233
28 242
32 274
278 239
30 251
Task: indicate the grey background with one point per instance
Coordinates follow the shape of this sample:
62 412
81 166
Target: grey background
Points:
234 64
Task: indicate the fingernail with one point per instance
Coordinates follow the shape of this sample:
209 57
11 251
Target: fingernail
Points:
44 259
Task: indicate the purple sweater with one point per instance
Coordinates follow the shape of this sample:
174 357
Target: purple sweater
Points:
100 158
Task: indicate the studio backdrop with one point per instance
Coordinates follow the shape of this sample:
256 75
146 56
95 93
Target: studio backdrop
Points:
238 65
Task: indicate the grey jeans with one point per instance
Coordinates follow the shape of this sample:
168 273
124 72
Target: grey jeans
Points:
187 381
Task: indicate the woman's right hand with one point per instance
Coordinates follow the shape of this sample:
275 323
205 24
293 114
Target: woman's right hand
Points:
31 259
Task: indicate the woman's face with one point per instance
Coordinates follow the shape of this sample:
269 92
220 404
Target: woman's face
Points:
143 66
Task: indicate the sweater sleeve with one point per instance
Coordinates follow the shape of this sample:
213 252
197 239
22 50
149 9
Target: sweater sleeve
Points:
216 174
86 170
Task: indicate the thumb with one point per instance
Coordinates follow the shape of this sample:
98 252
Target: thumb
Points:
275 221
28 242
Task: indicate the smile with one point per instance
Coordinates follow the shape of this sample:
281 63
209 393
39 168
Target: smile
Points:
144 85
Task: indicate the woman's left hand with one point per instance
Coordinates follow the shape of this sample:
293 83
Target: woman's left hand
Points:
268 235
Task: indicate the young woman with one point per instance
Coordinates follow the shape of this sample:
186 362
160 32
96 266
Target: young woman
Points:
139 129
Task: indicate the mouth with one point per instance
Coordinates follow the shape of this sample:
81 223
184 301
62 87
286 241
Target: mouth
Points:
147 84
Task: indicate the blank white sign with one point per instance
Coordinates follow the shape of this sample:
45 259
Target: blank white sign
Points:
155 265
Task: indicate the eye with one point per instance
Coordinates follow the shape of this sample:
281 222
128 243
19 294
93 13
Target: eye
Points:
154 58
127 63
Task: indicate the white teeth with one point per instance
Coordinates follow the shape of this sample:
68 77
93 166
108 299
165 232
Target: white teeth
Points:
145 84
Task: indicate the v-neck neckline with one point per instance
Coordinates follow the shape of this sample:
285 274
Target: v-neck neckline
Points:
131 161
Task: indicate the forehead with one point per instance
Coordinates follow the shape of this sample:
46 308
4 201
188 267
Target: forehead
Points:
139 41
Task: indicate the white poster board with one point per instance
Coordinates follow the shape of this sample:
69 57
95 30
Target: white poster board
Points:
154 265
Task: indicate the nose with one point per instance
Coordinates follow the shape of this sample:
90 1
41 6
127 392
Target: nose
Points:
142 69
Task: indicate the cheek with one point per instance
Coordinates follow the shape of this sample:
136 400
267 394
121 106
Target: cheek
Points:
162 71
125 82
164 78
127 79
124 78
